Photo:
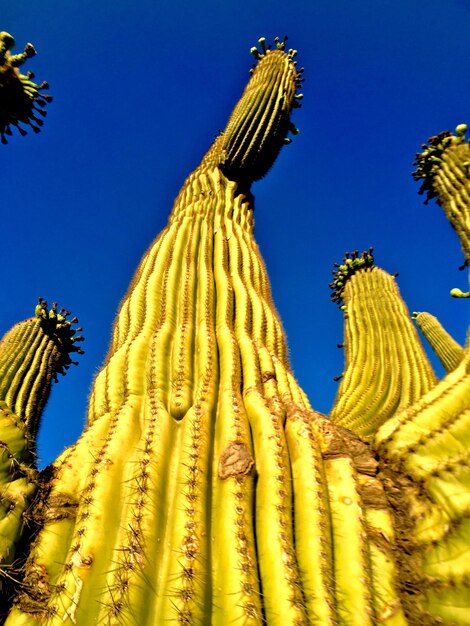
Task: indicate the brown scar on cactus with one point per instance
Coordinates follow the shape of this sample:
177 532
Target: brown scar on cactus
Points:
236 460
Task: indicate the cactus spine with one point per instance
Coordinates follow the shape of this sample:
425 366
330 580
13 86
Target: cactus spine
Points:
204 488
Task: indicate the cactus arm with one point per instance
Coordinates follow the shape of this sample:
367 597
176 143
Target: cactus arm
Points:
448 351
21 100
386 367
426 446
32 353
443 167
259 124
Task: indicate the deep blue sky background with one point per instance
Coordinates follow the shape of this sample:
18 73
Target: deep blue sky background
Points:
140 90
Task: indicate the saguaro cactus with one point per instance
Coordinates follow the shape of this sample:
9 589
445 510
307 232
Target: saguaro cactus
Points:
205 489
32 354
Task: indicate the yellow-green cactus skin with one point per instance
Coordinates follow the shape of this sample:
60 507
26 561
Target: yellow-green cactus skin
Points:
443 167
32 354
448 351
204 488
21 99
424 452
386 367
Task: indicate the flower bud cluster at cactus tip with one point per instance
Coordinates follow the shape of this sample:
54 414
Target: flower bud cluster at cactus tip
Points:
291 54
21 99
352 262
56 324
428 161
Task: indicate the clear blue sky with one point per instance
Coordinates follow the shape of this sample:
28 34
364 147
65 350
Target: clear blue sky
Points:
140 90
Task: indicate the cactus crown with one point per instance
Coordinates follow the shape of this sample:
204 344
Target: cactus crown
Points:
58 328
260 122
427 162
21 100
352 262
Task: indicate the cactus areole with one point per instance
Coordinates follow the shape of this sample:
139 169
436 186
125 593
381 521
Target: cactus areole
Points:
204 488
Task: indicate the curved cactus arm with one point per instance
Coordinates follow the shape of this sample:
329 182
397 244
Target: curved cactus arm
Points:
32 353
386 367
21 99
448 351
443 167
424 454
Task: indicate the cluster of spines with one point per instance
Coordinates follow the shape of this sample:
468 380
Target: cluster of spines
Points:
429 160
21 99
352 262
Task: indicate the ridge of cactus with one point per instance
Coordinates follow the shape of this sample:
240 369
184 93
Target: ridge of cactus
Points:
386 367
21 99
448 351
32 354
